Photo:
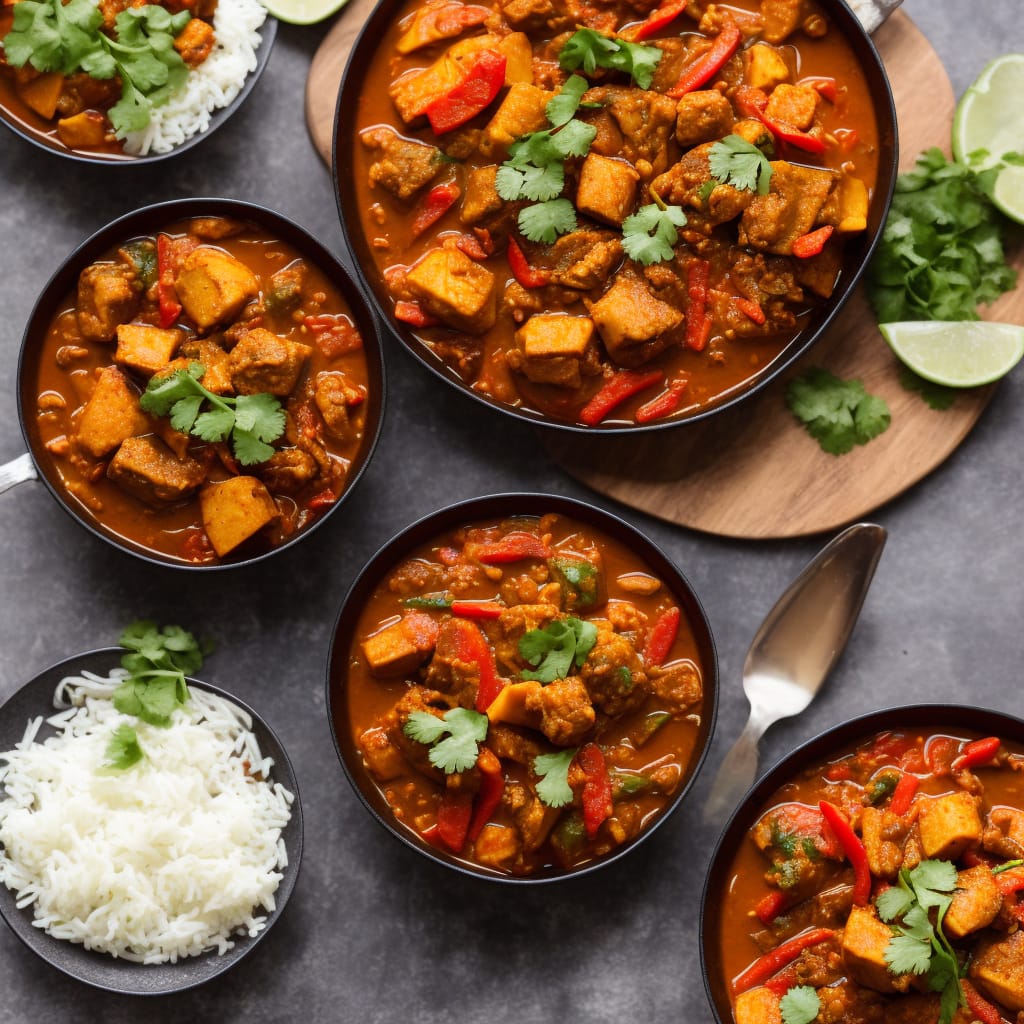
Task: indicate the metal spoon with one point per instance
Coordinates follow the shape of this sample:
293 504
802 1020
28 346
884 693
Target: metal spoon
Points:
796 647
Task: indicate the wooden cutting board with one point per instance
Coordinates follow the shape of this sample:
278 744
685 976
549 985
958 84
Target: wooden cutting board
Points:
753 472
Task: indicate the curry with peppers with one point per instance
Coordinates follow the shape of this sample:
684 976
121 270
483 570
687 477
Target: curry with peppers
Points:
202 393
884 885
611 214
525 695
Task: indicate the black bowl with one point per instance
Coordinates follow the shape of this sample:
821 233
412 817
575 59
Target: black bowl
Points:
856 257
500 506
98 969
145 220
268 32
957 718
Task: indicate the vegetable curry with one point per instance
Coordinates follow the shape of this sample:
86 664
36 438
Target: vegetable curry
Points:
611 214
202 394
525 695
884 885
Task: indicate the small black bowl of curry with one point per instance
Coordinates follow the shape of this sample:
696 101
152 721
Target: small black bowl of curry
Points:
598 221
200 384
521 687
876 873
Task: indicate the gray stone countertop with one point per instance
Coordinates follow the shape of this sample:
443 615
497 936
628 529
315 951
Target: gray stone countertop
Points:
374 933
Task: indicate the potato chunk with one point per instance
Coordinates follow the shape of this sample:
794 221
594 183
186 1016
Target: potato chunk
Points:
950 825
147 468
108 295
401 647
793 105
864 941
764 67
975 903
607 189
497 846
481 196
758 1006
111 415
455 289
213 286
144 348
263 362
551 348
235 510
998 968
628 315
521 111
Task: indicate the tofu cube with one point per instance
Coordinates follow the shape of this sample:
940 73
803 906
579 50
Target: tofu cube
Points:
764 67
794 105
455 289
853 204
481 196
521 111
234 510
865 938
110 416
998 968
401 647
147 468
108 295
496 846
146 349
975 903
628 315
607 188
703 116
263 362
213 286
552 347
949 825
757 1006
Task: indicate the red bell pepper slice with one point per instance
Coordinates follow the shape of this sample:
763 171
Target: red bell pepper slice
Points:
813 242
471 246
778 958
903 794
437 202
334 333
597 789
854 850
701 70
750 101
940 754
666 403
823 85
413 313
492 785
787 133
513 547
526 275
752 310
698 324
981 1009
624 384
1009 882
782 982
770 906
477 609
658 19
471 646
662 637
483 80
324 499
454 813
977 753
170 307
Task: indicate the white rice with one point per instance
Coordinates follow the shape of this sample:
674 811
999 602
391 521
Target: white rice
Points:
169 858
212 85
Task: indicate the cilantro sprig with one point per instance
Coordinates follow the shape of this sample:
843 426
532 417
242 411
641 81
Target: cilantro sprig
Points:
734 161
123 749
800 1005
157 662
458 751
251 421
591 50
837 413
648 236
554 789
557 648
53 36
918 945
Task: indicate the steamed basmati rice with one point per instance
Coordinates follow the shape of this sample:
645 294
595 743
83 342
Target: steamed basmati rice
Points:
212 85
167 859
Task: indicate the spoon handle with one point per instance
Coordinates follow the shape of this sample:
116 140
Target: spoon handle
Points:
736 773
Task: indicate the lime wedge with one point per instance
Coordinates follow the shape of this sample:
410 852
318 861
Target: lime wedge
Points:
303 12
1008 193
959 354
989 115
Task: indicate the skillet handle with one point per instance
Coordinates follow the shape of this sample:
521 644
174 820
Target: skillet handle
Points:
17 471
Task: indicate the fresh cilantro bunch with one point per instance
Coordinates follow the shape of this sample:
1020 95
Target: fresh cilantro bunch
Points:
800 1005
251 421
941 251
919 945
558 648
649 234
837 413
590 50
736 162
123 749
465 729
52 36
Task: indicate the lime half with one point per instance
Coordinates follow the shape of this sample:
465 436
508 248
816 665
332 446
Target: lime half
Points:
303 12
959 354
990 115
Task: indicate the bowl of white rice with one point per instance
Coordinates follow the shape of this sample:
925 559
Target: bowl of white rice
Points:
153 878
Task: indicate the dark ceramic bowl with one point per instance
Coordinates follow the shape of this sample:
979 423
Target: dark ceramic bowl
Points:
35 699
500 506
857 254
36 464
958 719
48 140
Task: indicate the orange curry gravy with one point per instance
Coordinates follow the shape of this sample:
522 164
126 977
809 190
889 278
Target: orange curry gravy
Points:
625 720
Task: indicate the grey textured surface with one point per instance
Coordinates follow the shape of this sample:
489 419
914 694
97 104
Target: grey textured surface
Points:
374 933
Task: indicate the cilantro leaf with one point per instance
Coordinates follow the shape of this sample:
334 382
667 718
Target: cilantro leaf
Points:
544 222
938 396
562 108
536 183
458 752
649 234
574 139
123 749
736 162
554 789
558 648
592 50
837 413
908 955
800 1005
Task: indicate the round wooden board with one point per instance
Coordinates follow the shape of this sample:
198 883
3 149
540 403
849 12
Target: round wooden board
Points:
753 472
